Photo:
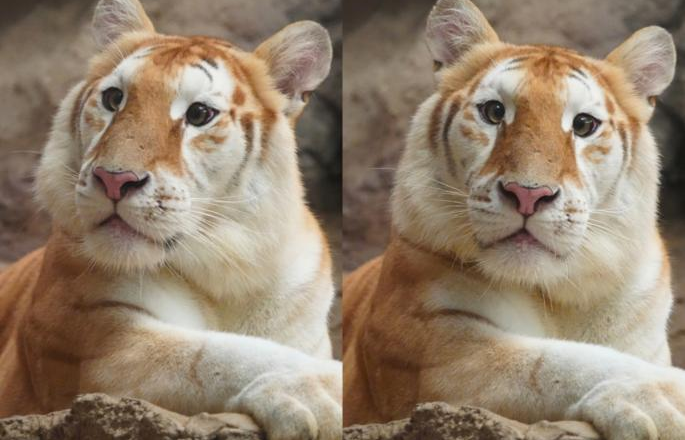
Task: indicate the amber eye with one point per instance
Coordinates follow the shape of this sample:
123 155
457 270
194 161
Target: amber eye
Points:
199 114
584 125
492 112
111 98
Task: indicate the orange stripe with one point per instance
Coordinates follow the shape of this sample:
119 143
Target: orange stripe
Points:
454 108
434 127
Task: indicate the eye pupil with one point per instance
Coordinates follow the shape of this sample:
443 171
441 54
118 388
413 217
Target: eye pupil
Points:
492 112
584 125
199 114
111 98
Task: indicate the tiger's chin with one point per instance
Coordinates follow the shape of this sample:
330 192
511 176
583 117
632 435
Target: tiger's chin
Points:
116 245
523 258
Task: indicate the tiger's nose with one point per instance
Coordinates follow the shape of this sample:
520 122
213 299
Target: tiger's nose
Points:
118 183
527 198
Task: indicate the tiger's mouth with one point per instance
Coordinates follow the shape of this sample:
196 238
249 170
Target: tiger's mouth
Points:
118 227
524 241
522 238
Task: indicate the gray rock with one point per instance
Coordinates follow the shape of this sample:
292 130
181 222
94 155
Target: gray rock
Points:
439 421
101 417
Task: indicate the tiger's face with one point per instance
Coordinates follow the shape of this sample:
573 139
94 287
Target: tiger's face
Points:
529 152
171 129
537 144
171 136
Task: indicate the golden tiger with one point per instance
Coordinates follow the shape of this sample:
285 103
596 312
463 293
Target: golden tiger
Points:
183 266
525 273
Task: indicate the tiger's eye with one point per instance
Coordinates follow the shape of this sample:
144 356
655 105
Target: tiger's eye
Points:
111 98
584 125
492 112
199 114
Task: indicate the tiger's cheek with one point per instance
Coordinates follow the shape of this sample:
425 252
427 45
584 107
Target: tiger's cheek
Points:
93 122
92 128
471 143
601 164
214 157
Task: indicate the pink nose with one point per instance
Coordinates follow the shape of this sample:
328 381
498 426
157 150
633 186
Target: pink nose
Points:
527 197
117 184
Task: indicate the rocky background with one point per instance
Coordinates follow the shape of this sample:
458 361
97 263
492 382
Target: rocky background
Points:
388 72
45 48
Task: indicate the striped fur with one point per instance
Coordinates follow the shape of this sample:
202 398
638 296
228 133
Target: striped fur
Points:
572 324
214 294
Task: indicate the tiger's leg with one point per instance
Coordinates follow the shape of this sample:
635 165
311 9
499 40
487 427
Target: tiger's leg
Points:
289 394
467 361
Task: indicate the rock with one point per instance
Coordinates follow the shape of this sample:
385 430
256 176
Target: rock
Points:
101 417
439 421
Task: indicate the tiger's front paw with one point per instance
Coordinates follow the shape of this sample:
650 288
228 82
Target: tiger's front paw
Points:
636 408
295 406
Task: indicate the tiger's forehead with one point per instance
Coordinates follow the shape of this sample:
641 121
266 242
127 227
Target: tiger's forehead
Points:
548 78
183 65
554 70
542 64
166 52
186 68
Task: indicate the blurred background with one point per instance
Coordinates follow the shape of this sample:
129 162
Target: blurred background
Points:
388 72
45 48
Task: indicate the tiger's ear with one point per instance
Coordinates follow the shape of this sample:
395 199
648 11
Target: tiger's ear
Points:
299 59
453 28
113 18
648 58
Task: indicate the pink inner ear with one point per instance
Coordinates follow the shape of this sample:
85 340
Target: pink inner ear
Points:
304 71
114 18
646 75
451 35
298 77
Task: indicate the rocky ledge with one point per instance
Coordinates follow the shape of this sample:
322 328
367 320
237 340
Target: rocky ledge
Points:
101 417
439 421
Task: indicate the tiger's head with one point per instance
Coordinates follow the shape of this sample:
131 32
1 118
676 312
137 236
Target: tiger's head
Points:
534 162
169 136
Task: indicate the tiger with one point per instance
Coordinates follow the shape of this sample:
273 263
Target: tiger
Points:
183 265
525 272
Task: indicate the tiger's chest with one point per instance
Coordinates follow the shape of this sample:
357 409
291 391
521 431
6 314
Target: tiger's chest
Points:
512 313
173 301
616 324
